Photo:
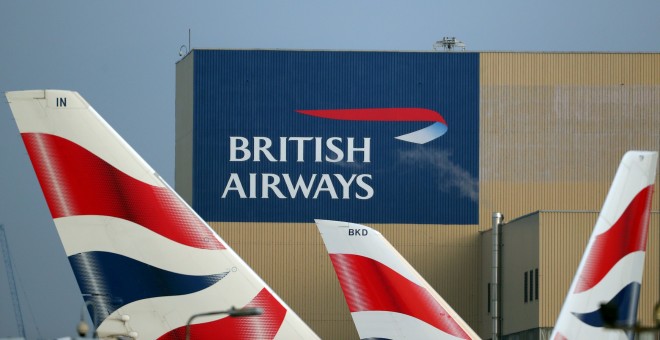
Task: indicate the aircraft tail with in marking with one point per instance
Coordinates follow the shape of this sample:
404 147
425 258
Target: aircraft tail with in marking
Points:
145 262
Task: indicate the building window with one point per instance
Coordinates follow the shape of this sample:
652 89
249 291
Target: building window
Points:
536 282
525 287
531 285
488 289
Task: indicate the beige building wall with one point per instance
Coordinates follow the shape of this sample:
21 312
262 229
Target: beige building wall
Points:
554 127
565 237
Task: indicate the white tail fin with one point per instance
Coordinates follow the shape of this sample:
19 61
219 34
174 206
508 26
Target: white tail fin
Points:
144 261
387 298
612 265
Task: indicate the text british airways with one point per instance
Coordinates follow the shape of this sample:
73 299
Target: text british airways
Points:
295 149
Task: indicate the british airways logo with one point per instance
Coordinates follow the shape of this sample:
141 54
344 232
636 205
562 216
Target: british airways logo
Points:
423 136
367 136
352 152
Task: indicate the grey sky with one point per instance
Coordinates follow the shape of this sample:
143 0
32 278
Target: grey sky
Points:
121 55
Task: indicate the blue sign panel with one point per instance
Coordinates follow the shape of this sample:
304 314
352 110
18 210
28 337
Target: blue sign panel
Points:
371 137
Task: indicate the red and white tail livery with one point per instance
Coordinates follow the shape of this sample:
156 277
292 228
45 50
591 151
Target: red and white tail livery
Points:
612 265
387 298
144 260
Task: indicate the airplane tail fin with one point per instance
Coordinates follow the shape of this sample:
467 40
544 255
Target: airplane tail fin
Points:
611 268
387 298
145 262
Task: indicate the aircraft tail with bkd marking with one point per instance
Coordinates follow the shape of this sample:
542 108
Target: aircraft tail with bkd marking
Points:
387 298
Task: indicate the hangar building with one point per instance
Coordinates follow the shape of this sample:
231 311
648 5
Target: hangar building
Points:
269 140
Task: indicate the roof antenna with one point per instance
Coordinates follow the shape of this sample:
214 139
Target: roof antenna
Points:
183 50
448 44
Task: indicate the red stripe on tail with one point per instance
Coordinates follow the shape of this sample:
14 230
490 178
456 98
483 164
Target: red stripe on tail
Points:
76 182
627 235
369 285
264 326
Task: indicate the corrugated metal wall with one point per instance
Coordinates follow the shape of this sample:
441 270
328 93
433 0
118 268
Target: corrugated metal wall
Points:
292 259
553 127
565 237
